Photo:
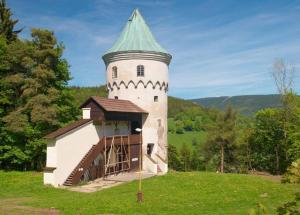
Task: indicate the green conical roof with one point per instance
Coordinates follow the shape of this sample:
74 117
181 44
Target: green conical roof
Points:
136 36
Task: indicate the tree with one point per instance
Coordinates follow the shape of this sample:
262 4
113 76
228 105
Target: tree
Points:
198 125
221 137
292 143
245 136
185 157
283 74
173 158
35 101
179 127
7 24
171 125
268 150
188 125
197 160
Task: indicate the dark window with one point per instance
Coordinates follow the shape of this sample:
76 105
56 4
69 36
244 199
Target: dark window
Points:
134 125
140 71
150 148
155 98
116 97
114 72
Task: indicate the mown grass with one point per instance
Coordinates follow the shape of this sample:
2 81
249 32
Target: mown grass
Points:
188 137
174 193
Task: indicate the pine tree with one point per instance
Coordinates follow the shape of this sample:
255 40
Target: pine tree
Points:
38 100
7 24
221 137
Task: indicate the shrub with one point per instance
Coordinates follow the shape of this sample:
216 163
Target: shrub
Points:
292 207
259 210
179 127
293 173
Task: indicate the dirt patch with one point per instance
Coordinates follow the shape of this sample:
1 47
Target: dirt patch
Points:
110 181
266 175
13 206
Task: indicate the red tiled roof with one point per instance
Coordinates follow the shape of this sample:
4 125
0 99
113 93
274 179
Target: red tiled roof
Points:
67 128
116 105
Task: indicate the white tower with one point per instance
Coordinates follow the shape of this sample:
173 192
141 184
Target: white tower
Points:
137 70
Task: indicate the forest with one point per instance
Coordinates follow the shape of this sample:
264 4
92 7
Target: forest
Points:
36 99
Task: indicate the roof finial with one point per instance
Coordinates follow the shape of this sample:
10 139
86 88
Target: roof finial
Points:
134 13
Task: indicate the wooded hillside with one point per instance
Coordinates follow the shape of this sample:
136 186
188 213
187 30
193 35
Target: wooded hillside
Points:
244 104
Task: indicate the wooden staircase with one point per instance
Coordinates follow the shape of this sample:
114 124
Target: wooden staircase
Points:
91 155
69 180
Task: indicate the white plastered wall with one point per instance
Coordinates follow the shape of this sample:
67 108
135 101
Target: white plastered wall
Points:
135 91
49 177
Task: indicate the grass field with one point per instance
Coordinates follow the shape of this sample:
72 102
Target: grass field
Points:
187 138
174 193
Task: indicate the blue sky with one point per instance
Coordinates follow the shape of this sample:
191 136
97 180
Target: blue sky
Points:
219 48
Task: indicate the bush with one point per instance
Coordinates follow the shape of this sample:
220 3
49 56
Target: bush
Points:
179 127
259 210
171 125
292 207
188 125
293 173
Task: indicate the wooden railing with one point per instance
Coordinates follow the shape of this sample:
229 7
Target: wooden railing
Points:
91 155
134 139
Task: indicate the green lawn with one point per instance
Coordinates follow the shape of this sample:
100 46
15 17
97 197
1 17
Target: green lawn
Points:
174 193
187 137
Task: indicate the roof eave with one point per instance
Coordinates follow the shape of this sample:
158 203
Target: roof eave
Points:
101 106
136 54
54 135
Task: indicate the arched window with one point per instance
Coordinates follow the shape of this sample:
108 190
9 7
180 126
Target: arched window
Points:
140 71
114 72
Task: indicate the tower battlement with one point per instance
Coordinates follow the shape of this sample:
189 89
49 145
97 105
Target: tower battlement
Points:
154 85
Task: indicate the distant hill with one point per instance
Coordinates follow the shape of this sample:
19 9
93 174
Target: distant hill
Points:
175 105
246 105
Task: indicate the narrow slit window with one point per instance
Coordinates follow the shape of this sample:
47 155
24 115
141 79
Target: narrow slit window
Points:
140 71
155 98
114 72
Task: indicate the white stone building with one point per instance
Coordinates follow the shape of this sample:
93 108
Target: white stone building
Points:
105 141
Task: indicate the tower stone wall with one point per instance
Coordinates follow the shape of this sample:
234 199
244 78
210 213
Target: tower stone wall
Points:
148 92
135 47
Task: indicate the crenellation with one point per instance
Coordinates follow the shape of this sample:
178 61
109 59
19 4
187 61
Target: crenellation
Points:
158 85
